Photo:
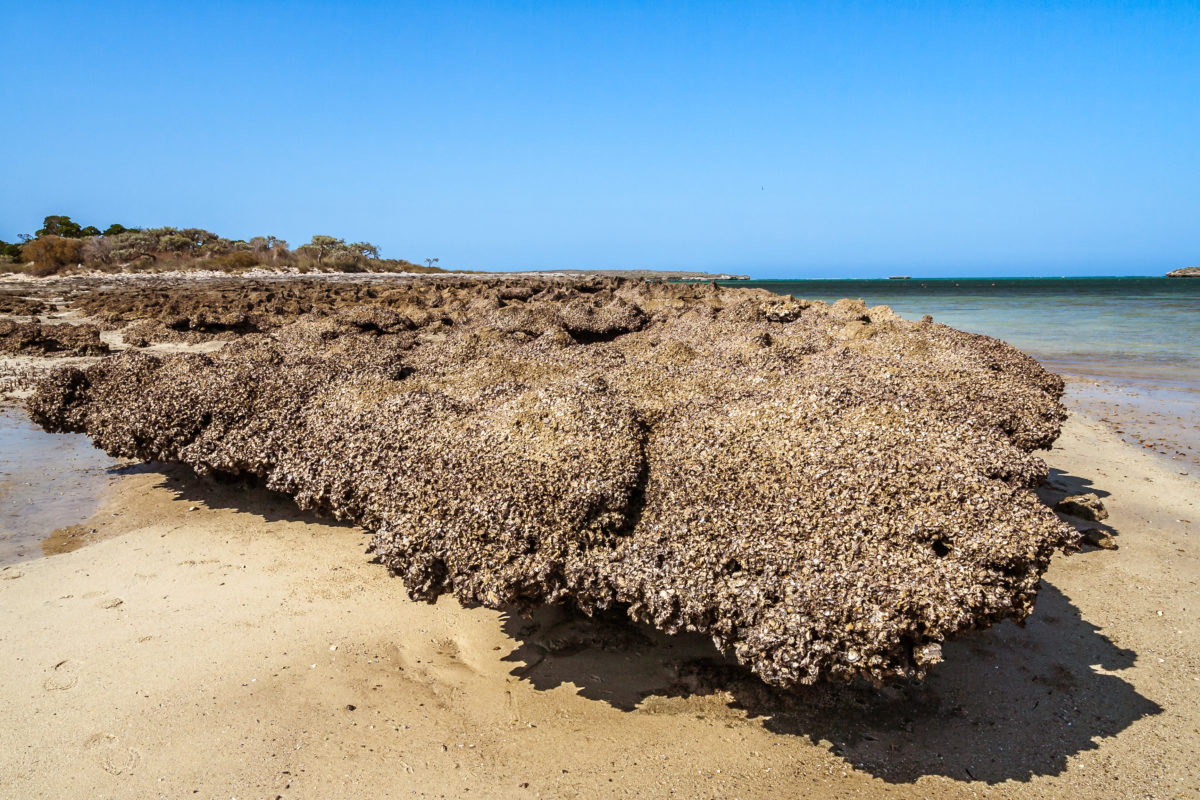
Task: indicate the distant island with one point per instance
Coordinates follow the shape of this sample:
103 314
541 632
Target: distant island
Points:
1185 272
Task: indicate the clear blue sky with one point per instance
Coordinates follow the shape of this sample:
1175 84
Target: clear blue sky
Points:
783 140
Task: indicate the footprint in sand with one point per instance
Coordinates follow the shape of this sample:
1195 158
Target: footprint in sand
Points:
112 602
10 574
63 676
112 756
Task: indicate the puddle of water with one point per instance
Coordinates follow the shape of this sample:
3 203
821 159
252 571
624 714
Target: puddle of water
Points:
47 482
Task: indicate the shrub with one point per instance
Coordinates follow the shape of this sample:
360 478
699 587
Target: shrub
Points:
97 251
50 254
239 259
10 252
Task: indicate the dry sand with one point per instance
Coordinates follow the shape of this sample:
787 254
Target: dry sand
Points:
215 653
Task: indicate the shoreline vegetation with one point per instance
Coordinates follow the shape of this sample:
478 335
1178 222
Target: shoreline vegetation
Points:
62 247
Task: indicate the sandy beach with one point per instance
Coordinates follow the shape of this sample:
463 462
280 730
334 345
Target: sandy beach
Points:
581 401
214 642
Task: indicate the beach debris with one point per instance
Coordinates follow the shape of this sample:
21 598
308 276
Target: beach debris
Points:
1098 537
1083 506
828 491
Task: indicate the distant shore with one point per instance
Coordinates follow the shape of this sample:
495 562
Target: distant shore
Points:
287 273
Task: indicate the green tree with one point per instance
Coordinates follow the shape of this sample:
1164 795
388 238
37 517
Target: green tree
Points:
322 246
176 243
116 227
365 249
89 231
56 225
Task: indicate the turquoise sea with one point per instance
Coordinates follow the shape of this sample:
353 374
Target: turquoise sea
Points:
1082 324
1132 345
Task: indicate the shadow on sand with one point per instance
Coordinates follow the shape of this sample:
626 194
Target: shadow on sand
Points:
1061 484
1009 703
235 492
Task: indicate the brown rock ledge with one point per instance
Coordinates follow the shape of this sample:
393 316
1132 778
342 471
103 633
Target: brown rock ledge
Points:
826 491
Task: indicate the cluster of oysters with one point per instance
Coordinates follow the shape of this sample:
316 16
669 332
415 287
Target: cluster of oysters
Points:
828 491
32 338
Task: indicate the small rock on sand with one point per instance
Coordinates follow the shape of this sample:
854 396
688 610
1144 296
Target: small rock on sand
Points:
1084 506
1098 537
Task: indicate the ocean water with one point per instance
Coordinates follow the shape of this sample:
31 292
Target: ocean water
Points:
47 482
1129 347
1075 323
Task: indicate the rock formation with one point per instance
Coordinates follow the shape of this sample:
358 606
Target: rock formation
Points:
1085 506
31 338
826 491
1184 272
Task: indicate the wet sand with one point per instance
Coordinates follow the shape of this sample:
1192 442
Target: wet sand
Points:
1155 415
243 649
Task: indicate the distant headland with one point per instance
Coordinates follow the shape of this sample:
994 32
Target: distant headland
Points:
65 247
1185 272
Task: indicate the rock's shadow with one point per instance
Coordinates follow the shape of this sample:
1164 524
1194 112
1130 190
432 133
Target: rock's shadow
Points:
1062 484
1009 703
236 492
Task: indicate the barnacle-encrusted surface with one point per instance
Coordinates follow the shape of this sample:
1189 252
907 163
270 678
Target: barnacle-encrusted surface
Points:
31 338
825 490
18 304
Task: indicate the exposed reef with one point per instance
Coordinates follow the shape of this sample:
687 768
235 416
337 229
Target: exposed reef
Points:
31 338
827 491
16 304
1184 272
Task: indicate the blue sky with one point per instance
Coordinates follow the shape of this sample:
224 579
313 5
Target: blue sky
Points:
783 140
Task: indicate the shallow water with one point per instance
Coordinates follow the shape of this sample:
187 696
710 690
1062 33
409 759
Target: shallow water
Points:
1153 321
1130 347
47 482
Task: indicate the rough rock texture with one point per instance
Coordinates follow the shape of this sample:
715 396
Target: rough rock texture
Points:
30 338
1184 272
17 304
1098 537
827 491
1085 506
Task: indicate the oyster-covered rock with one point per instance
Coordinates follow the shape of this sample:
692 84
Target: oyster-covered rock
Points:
1085 506
32 338
826 491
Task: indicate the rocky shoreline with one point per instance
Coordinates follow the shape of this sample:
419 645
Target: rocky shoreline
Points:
825 491
1184 272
